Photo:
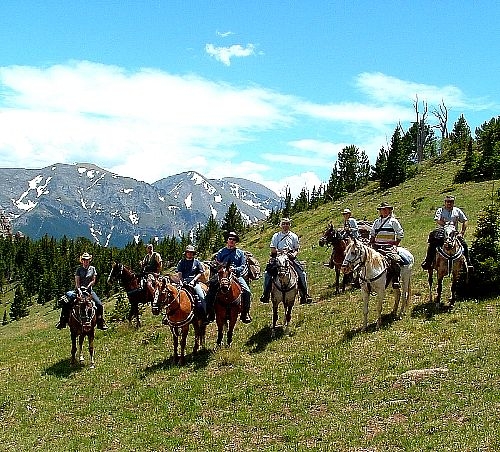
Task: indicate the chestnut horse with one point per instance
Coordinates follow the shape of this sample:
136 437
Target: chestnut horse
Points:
333 237
227 304
132 285
284 289
449 260
374 277
180 312
82 322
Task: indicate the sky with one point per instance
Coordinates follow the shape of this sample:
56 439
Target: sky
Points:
270 91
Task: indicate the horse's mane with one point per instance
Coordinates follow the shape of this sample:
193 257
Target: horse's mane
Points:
373 257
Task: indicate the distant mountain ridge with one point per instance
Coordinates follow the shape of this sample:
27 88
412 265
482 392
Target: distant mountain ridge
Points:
84 200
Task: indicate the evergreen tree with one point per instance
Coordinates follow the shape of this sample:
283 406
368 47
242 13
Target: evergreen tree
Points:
459 138
377 171
5 318
233 220
488 142
301 204
19 307
333 188
287 209
397 162
470 168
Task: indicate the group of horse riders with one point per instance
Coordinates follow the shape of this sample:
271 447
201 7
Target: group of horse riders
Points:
386 234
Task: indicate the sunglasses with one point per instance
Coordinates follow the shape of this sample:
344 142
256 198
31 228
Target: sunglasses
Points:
232 239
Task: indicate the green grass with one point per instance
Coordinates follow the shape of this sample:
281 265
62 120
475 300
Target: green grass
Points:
427 382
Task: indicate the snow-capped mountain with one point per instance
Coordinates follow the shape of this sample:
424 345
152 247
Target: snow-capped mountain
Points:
83 200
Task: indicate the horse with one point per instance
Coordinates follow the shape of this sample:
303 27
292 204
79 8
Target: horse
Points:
374 277
82 322
227 304
132 285
179 315
284 289
333 237
449 260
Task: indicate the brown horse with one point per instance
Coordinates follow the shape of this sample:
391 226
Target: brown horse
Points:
227 304
284 289
449 260
132 285
179 314
82 322
333 237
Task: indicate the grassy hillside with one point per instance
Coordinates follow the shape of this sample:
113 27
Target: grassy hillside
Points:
427 382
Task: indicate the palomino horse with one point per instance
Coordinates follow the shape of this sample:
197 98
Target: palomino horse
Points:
449 260
374 277
333 237
132 285
179 314
227 304
82 322
284 289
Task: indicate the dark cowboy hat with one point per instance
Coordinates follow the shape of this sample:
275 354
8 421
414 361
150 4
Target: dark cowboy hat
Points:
190 249
384 205
233 235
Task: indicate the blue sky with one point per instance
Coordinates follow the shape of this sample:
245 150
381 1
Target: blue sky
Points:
270 91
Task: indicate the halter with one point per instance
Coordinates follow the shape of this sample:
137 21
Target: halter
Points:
288 270
362 264
175 325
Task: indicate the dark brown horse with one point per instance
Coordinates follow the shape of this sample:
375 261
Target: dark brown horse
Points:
449 260
332 237
135 293
180 313
82 322
227 304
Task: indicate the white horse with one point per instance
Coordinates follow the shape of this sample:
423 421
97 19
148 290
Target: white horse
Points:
374 277
284 289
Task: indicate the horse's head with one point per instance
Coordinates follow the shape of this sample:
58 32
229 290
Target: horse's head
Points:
353 256
86 311
225 275
329 236
164 296
116 271
450 236
282 263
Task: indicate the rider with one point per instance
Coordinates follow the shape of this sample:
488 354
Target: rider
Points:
446 214
350 225
151 264
237 260
289 241
385 235
85 278
189 270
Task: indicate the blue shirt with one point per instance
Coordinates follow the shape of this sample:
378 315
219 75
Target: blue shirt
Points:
234 256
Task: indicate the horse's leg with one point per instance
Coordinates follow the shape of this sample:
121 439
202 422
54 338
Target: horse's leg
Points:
80 347
397 298
275 316
230 328
184 334
337 280
91 349
220 330
175 338
405 288
439 290
430 280
380 302
365 294
197 328
73 348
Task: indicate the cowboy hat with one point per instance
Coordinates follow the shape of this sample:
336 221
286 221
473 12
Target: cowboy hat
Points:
86 257
449 198
233 235
346 211
285 220
384 205
190 249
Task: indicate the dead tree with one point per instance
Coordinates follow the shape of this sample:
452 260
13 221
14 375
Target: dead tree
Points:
442 117
421 129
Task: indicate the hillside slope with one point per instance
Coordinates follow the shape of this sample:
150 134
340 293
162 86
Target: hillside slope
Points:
427 382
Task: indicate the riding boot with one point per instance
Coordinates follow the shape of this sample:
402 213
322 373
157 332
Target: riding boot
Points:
209 301
396 275
429 257
201 312
267 292
65 304
305 298
101 324
245 312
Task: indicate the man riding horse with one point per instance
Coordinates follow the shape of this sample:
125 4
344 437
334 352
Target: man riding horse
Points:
151 264
385 236
446 214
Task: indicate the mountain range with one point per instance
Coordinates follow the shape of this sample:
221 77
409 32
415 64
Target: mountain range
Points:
83 200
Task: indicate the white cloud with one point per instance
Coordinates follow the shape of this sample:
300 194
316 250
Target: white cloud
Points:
224 54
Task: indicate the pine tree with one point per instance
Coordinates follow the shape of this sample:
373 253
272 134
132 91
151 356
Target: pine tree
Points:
397 162
233 220
19 307
5 318
488 142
